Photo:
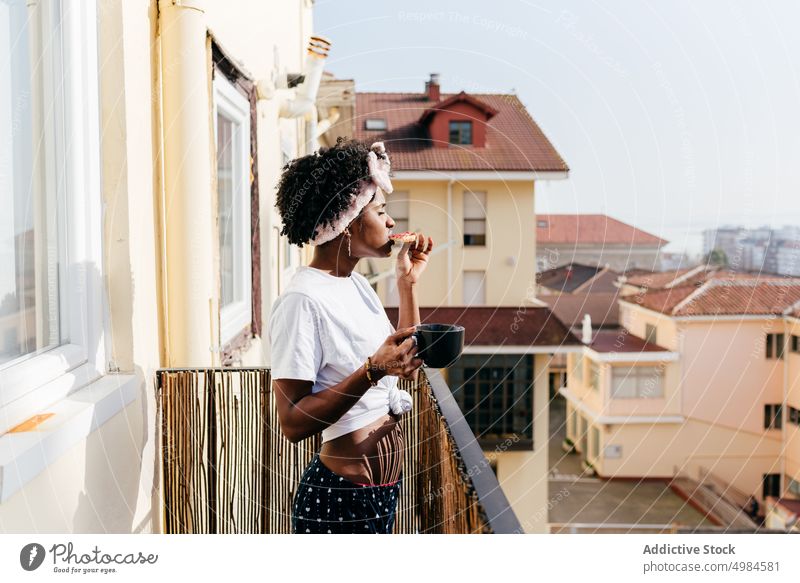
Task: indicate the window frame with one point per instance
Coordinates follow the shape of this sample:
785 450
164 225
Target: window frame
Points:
773 416
577 368
232 104
775 345
395 200
594 443
770 485
35 381
382 125
595 375
792 486
511 412
465 123
482 198
474 303
651 333
641 377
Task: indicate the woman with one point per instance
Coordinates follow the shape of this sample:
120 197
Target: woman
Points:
335 355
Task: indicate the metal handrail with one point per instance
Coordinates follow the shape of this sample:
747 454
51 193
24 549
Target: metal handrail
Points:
499 514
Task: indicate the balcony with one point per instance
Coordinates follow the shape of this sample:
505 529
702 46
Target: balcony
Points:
227 468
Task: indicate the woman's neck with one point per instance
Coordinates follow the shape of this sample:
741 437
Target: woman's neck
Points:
333 262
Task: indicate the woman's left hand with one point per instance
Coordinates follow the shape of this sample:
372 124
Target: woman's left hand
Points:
413 259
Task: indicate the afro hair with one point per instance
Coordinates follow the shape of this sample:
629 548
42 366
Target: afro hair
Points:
315 189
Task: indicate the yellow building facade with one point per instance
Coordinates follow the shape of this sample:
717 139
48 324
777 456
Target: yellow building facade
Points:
150 199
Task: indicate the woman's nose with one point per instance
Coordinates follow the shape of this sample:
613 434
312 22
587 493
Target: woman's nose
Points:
391 222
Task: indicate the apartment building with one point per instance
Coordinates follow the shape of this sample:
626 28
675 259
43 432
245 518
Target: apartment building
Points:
783 505
764 249
464 169
696 382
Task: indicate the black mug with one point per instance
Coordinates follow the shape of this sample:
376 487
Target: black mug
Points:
439 345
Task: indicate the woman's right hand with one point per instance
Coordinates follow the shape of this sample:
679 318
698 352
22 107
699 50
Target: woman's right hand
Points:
397 355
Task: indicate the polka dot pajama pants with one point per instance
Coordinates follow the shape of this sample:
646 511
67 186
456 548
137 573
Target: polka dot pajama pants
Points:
328 503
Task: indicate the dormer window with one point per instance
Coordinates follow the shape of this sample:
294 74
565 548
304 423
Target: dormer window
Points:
375 123
461 132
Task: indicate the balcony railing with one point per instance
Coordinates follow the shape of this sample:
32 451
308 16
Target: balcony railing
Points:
227 468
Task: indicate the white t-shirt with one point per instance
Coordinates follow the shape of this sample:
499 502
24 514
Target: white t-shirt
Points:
322 328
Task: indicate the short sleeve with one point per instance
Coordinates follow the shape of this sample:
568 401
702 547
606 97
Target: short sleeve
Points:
295 338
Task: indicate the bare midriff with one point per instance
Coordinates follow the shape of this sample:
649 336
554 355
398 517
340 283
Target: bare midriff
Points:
370 455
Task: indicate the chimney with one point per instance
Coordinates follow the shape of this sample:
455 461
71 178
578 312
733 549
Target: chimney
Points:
432 87
587 329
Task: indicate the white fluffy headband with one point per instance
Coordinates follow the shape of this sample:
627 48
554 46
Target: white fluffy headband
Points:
379 166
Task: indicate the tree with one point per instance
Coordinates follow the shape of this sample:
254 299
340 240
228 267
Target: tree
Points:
717 257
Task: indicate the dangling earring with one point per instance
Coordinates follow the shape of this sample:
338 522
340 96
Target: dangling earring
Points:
349 255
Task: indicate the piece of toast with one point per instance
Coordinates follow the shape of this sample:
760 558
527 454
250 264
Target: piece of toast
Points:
407 237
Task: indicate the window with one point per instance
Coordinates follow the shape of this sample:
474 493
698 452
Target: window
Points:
793 486
375 123
577 368
474 218
30 193
51 293
495 393
232 126
461 132
795 343
288 254
397 207
571 423
542 223
794 416
774 346
773 416
594 443
636 382
474 288
594 375
650 333
771 485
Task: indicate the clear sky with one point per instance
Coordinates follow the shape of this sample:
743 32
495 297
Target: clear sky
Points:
675 115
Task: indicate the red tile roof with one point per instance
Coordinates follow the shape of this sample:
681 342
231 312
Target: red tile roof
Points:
666 279
513 140
661 300
576 277
737 294
602 308
621 340
567 277
463 96
496 326
590 229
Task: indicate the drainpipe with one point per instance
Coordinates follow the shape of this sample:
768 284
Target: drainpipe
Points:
449 239
325 124
188 221
304 103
